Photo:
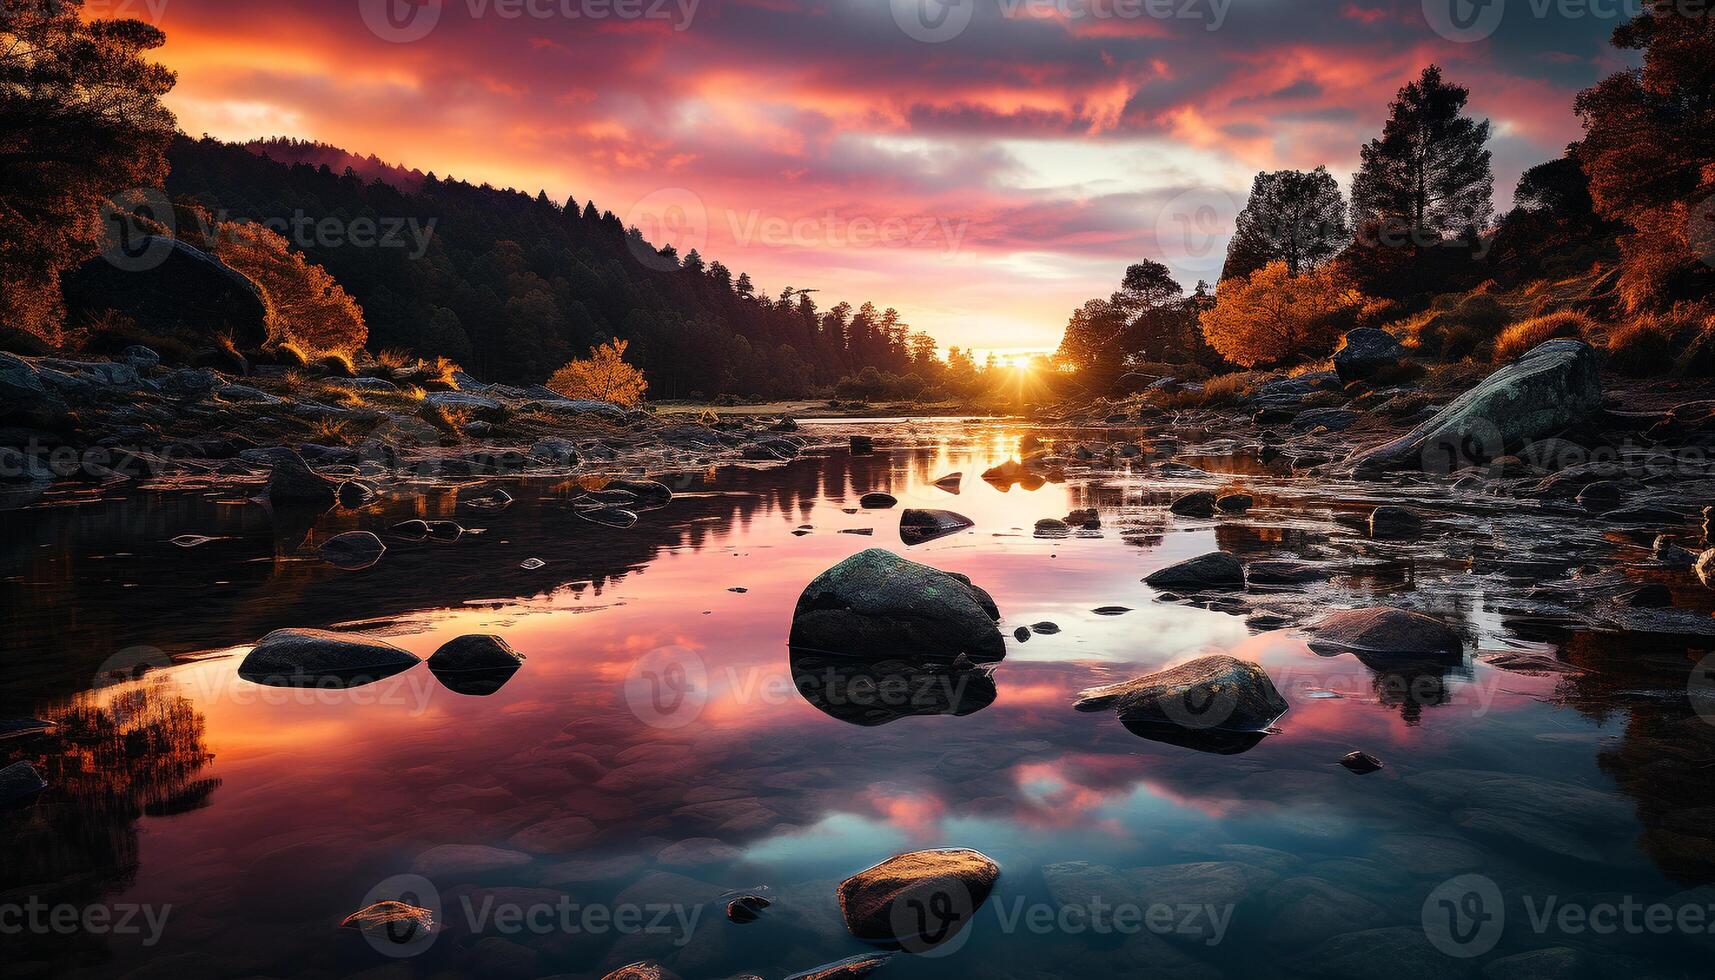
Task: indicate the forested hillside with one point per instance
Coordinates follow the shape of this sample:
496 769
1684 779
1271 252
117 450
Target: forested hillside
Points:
512 285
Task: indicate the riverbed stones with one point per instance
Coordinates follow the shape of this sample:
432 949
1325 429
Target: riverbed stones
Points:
1383 630
876 603
308 657
291 483
451 860
1550 388
1309 909
880 904
353 550
1210 694
1215 571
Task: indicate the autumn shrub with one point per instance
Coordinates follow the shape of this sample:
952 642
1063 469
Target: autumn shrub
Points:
305 304
1272 317
1456 325
1525 334
1644 347
337 364
603 376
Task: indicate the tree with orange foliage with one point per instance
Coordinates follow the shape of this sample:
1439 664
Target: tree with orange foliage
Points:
306 305
604 376
1272 316
81 120
1649 148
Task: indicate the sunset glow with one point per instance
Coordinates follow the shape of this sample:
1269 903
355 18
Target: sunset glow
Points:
984 185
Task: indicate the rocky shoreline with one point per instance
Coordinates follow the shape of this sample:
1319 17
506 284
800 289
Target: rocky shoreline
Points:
135 421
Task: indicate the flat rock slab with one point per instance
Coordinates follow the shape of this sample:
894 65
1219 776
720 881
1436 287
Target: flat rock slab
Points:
1552 387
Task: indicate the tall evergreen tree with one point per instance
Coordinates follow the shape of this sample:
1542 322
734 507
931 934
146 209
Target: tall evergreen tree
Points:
1296 217
1427 178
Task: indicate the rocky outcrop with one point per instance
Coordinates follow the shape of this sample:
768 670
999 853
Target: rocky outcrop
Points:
877 604
174 291
1365 352
882 904
1209 694
307 658
1553 386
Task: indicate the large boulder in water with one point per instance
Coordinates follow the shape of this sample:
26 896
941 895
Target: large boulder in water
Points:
174 291
876 604
1366 351
1210 694
884 904
309 658
1215 571
1387 632
1553 386
292 483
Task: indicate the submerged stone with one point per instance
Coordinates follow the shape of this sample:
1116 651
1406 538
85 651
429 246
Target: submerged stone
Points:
353 550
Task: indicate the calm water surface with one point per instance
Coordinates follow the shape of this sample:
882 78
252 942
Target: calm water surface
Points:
658 706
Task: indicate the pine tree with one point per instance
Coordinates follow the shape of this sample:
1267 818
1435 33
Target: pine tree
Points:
1427 178
1294 216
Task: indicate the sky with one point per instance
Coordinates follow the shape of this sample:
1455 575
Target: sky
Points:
984 166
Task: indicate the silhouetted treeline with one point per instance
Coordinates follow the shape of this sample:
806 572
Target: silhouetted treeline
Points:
512 286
